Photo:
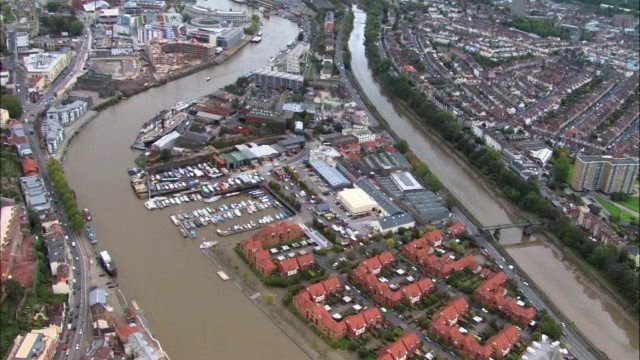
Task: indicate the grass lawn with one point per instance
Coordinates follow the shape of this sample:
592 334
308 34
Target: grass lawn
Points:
631 204
613 210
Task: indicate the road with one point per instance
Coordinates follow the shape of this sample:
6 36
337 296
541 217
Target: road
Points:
80 258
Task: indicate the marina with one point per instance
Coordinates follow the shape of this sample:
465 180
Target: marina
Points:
188 221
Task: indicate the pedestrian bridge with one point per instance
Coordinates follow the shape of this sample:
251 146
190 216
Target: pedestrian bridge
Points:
523 223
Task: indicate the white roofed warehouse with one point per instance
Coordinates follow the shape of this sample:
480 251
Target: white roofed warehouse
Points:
405 181
356 201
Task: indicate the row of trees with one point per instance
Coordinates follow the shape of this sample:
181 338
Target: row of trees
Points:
65 194
254 27
524 193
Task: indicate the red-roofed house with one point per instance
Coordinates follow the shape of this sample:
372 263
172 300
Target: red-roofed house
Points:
125 331
434 237
409 69
493 294
30 167
503 342
401 349
288 267
457 229
280 233
365 275
308 302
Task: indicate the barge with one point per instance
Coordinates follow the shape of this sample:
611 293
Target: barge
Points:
107 263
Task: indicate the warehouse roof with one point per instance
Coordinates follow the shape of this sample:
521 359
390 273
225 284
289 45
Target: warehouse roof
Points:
356 200
332 176
385 203
394 221
405 181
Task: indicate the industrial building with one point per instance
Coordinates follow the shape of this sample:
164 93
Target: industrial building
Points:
387 207
330 175
406 182
276 79
604 173
356 201
393 223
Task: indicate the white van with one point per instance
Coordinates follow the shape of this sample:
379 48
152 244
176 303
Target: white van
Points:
73 243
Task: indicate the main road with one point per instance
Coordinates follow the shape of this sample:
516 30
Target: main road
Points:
76 255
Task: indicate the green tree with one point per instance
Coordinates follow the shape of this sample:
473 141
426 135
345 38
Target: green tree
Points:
270 298
12 104
186 17
391 243
561 168
165 155
402 145
75 27
603 256
301 36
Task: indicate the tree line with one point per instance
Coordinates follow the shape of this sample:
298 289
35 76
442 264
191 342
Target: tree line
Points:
525 194
65 194
58 24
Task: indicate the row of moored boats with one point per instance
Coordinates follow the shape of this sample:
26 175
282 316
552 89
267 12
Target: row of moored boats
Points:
189 221
167 201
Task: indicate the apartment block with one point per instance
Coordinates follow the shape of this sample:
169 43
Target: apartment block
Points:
276 79
604 173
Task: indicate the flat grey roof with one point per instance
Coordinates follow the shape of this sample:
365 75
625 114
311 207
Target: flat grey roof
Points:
292 141
609 159
332 176
392 221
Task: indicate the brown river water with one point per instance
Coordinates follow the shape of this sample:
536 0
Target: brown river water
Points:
193 313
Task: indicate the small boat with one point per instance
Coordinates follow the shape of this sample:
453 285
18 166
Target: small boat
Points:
208 78
192 234
208 244
212 199
86 214
183 233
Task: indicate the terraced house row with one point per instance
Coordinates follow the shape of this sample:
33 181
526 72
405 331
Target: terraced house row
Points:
421 251
310 304
365 276
444 326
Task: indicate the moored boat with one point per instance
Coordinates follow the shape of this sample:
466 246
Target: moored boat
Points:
86 214
91 235
107 263
183 233
208 244
212 199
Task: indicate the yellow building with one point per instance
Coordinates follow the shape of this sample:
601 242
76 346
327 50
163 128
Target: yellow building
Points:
37 345
46 65
4 118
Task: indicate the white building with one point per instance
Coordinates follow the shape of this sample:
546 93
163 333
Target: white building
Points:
296 56
356 201
53 133
22 40
67 114
46 65
363 135
405 181
393 223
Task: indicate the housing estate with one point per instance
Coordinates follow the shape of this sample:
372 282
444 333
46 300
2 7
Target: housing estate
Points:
366 276
309 303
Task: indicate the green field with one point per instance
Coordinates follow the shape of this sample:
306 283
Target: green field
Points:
631 204
615 211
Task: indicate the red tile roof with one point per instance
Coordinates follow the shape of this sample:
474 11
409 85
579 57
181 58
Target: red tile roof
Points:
30 167
457 229
124 331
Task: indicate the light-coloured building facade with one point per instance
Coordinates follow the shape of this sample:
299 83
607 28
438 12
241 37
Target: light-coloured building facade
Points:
519 7
67 114
604 173
39 344
47 65
4 119
53 132
276 79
